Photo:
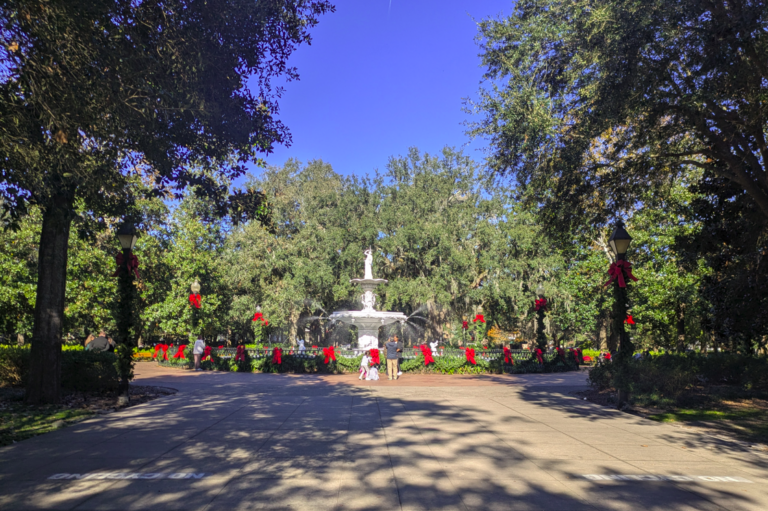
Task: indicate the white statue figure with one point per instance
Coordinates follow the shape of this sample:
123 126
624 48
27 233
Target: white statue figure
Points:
433 346
368 264
301 346
369 300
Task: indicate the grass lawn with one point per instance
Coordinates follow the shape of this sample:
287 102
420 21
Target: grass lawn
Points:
745 419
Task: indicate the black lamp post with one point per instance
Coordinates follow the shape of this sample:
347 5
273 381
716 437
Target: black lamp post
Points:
195 288
619 242
126 324
541 337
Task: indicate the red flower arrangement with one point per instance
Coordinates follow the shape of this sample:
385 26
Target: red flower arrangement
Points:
195 300
471 356
479 318
207 353
277 356
427 354
375 356
329 354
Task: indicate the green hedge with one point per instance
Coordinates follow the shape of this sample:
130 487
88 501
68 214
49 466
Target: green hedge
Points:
669 375
80 370
311 363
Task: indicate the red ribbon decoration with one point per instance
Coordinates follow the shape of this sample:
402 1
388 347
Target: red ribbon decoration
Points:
465 325
375 356
132 264
329 354
541 304
629 320
560 353
207 353
195 300
576 356
538 355
607 356
180 353
508 355
427 354
163 347
479 318
277 356
240 354
619 270
260 317
471 356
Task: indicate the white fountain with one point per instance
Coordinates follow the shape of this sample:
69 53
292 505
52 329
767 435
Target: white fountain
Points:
369 319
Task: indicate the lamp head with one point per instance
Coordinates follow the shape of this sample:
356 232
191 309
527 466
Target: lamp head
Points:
127 235
620 240
540 290
195 287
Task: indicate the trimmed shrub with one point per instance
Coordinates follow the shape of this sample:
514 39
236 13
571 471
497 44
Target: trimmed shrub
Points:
80 370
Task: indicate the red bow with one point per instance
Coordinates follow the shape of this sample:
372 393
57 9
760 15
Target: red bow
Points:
538 355
619 270
260 317
132 264
507 355
576 356
163 347
427 354
195 300
240 354
314 347
375 356
277 356
471 356
207 352
629 320
180 353
607 356
465 325
479 318
561 353
541 304
329 354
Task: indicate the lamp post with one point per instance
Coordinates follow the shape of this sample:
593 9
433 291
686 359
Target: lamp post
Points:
127 268
195 288
541 337
619 242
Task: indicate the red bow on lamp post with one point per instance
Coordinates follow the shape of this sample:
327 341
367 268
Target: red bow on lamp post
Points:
277 356
375 356
195 300
329 354
538 355
541 304
465 325
629 320
560 353
132 264
427 354
508 356
471 356
618 271
240 354
479 318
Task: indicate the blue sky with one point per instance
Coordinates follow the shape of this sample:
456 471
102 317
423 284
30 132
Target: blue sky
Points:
379 79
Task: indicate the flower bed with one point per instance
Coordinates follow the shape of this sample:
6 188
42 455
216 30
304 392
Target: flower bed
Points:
326 360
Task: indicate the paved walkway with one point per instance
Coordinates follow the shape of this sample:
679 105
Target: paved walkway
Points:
259 441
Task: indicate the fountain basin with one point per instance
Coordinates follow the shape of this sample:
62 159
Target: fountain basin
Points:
368 323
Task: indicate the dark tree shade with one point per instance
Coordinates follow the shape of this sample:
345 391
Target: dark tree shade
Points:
95 93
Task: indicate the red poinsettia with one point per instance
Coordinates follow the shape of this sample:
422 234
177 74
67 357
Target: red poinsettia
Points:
479 318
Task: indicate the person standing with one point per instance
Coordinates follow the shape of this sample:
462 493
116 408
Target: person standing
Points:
392 355
197 352
400 346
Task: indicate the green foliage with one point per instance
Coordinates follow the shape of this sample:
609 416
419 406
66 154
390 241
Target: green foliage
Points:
81 370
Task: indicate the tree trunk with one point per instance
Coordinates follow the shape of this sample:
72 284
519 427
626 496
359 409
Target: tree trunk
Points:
44 384
680 321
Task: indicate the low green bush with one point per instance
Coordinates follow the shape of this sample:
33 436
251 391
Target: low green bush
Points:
80 370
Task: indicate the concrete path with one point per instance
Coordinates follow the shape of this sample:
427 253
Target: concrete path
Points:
258 441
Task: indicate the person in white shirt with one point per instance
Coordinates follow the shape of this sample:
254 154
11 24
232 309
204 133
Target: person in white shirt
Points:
198 351
364 363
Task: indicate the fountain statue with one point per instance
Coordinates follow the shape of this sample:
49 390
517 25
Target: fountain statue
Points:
369 319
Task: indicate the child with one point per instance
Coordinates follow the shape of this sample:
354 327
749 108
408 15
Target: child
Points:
373 374
364 363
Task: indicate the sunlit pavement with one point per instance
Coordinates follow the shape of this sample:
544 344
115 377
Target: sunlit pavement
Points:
260 441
